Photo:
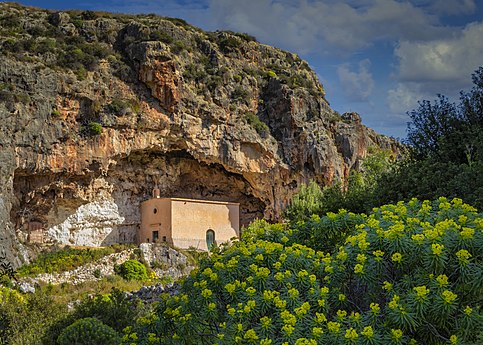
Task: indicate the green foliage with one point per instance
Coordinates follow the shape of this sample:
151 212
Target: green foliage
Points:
88 15
444 131
24 318
246 37
359 195
179 46
132 270
120 106
409 274
240 94
427 178
88 331
305 203
195 72
95 128
256 123
447 151
229 44
65 259
117 106
260 229
271 74
114 310
326 233
178 22
162 36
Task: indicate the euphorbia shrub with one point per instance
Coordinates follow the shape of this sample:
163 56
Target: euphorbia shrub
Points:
88 331
409 274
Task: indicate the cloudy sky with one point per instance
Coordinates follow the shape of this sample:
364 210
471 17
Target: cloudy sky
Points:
375 57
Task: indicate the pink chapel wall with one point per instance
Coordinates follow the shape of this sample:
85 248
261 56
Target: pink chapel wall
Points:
155 216
184 222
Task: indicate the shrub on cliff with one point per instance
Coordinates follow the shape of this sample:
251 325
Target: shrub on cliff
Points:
256 123
411 273
88 331
132 270
95 128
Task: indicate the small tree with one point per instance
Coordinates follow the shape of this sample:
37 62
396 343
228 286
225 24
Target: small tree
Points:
305 203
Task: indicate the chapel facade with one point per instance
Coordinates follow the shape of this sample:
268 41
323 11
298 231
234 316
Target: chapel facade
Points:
188 223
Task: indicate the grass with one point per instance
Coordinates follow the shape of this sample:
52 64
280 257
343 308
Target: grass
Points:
65 293
65 259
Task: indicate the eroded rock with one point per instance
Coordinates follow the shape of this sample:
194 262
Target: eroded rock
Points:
211 115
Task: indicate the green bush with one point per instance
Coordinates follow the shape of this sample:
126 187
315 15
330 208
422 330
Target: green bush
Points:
271 74
254 121
117 106
160 36
246 37
132 270
25 317
88 331
179 22
410 273
178 46
229 44
114 310
305 203
89 15
95 128
240 94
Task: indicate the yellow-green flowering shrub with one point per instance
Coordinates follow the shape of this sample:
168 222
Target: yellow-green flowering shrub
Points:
319 233
88 331
408 274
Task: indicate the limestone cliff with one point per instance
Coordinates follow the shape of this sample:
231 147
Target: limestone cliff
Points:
96 109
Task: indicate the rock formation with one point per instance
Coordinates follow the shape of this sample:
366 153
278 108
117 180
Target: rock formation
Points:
96 109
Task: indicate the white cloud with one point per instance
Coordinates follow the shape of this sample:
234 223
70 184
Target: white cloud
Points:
358 85
452 7
317 25
449 60
405 96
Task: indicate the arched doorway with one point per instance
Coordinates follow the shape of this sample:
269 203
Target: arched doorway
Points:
210 239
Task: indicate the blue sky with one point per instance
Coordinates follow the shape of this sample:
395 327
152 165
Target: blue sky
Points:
375 57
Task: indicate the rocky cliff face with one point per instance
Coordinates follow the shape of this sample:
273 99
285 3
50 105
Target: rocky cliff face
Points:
97 109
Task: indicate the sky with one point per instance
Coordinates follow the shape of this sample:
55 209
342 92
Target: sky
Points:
374 57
